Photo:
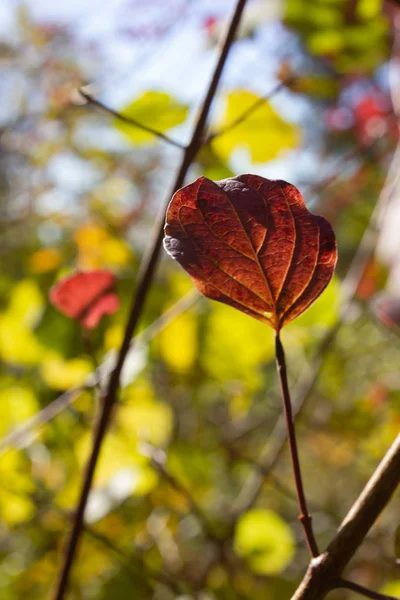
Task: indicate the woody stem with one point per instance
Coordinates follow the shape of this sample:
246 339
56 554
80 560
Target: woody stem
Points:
304 518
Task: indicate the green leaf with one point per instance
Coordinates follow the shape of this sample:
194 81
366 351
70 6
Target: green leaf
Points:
265 541
264 133
157 110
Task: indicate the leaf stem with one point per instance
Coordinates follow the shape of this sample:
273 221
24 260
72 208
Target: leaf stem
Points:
91 100
304 518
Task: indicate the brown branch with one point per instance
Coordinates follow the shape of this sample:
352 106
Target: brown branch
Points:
129 120
145 278
131 561
304 518
324 572
363 591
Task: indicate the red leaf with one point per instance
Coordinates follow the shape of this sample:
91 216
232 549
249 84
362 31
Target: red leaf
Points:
251 243
86 296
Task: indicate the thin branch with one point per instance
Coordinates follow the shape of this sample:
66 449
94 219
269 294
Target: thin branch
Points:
21 435
145 278
129 121
248 111
127 558
324 571
363 591
304 518
181 306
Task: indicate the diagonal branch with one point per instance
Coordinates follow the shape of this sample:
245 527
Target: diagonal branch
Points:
324 572
129 120
247 112
145 278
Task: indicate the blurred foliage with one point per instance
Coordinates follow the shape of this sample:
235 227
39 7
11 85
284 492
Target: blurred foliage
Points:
352 36
200 396
157 110
250 133
264 540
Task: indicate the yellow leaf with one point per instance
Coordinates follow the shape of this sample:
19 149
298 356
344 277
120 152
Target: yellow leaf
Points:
45 260
242 346
62 374
97 248
17 404
391 589
368 9
16 485
26 303
18 345
116 253
90 236
150 420
263 133
157 110
15 508
178 343
113 337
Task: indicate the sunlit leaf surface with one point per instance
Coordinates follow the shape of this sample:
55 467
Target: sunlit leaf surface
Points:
251 243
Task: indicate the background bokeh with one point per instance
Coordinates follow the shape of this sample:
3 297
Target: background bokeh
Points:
190 500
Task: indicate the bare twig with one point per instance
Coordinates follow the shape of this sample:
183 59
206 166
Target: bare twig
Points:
304 518
182 305
22 433
324 572
129 121
246 113
145 277
363 591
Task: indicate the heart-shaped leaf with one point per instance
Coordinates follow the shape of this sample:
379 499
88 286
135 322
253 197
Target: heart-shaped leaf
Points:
251 243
